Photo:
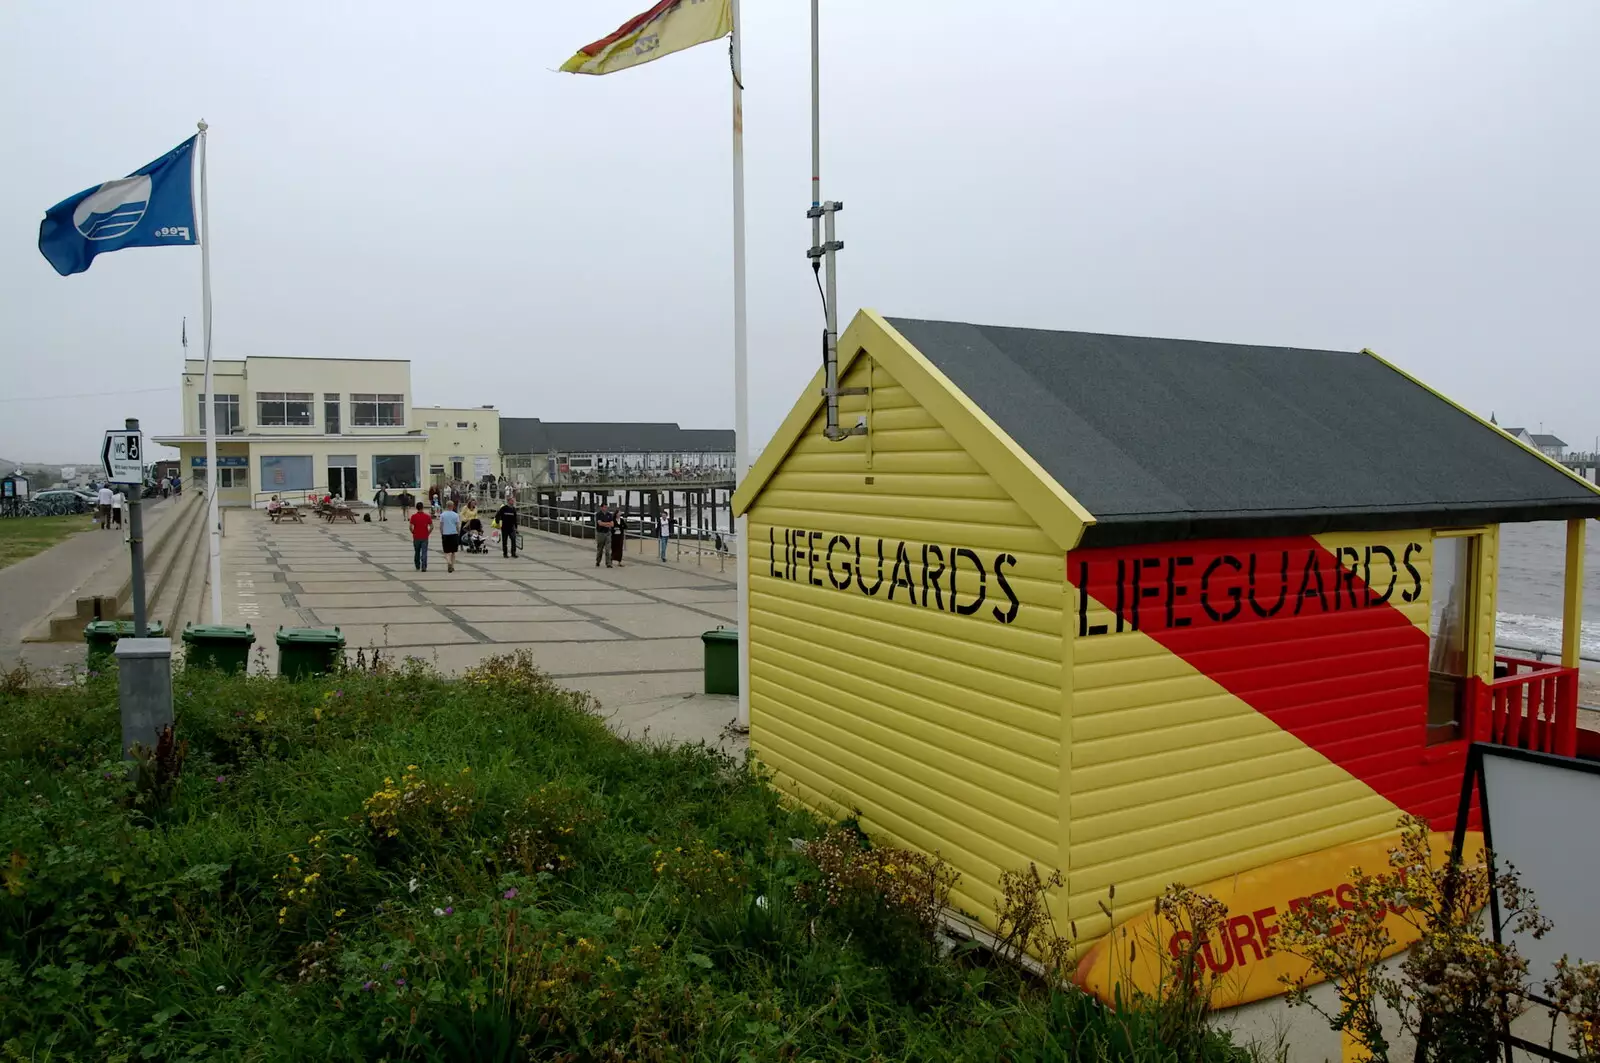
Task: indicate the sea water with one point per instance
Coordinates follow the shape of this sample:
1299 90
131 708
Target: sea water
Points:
1532 573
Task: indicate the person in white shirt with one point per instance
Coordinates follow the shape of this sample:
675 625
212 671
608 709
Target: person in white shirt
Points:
118 501
104 499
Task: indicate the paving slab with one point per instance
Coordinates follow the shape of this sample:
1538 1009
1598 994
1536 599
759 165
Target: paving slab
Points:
653 620
637 688
359 575
385 598
598 596
475 614
469 597
413 614
579 631
694 595
629 635
357 636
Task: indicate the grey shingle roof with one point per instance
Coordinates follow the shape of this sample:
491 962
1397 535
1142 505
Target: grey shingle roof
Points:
523 435
1173 439
1547 441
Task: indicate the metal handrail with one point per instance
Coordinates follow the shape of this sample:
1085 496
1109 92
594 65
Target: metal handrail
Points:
1541 652
576 523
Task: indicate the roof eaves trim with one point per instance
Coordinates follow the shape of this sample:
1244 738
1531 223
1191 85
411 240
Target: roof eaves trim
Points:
1535 451
1057 513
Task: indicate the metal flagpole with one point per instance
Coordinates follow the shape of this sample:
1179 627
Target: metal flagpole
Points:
821 254
741 379
213 474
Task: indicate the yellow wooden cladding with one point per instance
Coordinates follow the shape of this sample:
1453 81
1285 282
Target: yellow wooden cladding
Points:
915 661
919 415
942 730
1176 779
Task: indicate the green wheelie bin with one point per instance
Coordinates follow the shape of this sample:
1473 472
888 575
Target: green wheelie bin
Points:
722 661
304 651
102 636
219 646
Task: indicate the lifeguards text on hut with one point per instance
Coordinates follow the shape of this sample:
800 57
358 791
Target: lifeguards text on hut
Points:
951 579
1159 588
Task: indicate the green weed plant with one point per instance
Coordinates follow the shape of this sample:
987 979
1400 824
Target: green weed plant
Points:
393 865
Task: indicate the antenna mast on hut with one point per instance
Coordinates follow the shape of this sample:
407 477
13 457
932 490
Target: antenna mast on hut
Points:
823 246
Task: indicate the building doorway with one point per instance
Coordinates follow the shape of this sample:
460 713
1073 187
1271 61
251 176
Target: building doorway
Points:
455 469
342 476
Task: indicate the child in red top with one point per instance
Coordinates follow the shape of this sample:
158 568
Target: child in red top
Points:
421 528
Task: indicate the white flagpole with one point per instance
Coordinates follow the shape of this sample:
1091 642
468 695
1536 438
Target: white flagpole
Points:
213 474
741 380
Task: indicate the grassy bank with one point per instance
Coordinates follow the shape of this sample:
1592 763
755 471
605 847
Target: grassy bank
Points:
22 537
405 867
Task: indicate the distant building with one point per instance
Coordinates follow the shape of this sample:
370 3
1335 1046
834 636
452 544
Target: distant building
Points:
290 425
463 442
1550 446
548 452
1520 434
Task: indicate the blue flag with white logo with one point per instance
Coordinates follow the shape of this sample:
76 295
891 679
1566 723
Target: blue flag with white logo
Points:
151 207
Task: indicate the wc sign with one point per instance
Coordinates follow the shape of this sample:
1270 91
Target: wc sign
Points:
122 457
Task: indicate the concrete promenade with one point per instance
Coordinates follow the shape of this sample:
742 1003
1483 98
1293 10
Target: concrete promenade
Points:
629 635
46 582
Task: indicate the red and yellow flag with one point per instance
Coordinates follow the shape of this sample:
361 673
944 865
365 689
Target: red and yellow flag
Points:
668 27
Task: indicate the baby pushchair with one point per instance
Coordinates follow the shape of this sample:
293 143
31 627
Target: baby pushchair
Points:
473 541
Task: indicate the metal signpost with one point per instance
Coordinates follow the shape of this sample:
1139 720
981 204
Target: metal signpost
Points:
122 458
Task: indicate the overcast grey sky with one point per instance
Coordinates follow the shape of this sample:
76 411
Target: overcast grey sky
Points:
414 181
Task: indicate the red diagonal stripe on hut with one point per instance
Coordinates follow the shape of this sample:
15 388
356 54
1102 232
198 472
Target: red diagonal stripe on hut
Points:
1311 640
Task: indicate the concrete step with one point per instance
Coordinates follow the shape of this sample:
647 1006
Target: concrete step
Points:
107 594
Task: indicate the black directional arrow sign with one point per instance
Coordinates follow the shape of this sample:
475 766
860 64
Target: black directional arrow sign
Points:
122 457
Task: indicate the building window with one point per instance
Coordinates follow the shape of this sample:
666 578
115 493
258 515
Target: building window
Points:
1451 613
283 409
433 424
461 424
287 473
226 478
227 414
435 470
377 411
330 414
396 471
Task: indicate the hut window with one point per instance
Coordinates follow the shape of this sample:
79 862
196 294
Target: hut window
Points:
1450 620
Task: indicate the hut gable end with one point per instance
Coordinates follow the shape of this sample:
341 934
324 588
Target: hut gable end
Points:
905 657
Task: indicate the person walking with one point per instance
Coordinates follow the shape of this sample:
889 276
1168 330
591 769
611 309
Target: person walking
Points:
421 528
450 535
604 520
118 500
664 531
103 498
507 519
469 517
619 534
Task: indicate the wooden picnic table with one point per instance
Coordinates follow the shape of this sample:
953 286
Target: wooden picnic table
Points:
342 512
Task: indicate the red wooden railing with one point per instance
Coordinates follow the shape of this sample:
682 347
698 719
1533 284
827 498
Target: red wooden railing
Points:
1533 706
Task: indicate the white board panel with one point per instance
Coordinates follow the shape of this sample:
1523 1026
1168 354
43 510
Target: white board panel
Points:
1544 817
